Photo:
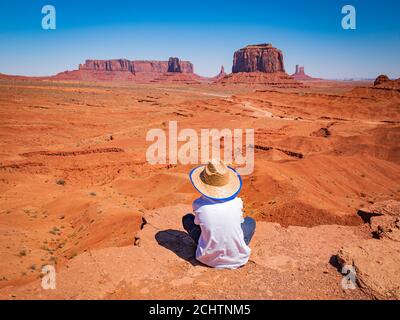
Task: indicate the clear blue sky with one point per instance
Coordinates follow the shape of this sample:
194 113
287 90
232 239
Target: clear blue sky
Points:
204 32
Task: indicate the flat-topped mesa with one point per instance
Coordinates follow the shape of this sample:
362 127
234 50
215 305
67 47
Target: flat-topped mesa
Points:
138 66
260 57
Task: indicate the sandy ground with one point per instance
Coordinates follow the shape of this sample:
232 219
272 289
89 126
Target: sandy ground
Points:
77 192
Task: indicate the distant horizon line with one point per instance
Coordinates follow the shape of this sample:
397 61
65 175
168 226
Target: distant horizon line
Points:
372 78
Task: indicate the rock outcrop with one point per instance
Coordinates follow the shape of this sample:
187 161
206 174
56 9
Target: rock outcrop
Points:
377 266
301 75
377 261
260 57
220 75
384 219
381 79
383 82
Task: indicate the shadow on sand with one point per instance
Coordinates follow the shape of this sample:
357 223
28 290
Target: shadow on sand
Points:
178 242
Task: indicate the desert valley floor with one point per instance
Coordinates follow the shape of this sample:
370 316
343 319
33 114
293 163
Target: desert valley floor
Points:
77 192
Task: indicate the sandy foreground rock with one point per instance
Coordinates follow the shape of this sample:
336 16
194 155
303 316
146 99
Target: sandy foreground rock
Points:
285 263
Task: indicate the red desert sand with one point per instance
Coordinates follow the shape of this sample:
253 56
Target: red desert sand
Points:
77 192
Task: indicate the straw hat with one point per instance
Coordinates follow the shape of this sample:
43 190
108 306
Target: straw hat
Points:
216 180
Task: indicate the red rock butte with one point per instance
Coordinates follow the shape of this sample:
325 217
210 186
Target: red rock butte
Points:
260 57
259 64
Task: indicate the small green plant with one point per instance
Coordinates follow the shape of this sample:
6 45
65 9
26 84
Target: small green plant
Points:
73 255
61 182
22 253
55 231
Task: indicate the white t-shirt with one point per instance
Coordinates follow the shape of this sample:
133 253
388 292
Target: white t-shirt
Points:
221 244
